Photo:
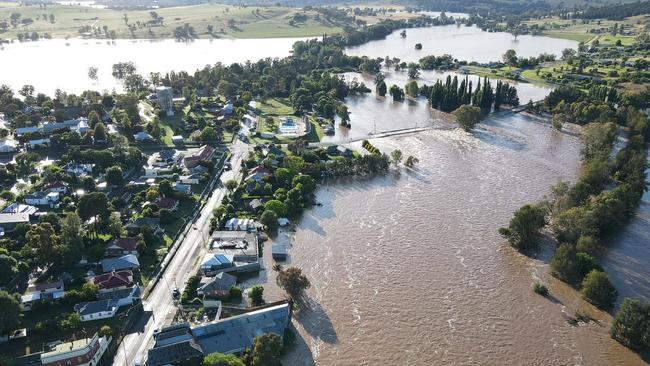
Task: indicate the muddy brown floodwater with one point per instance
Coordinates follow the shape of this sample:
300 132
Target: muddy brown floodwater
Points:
408 268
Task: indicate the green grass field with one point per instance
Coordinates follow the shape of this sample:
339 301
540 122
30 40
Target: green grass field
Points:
170 124
578 37
576 30
249 22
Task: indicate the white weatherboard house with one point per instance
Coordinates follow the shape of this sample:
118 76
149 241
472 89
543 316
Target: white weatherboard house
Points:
42 292
42 198
95 310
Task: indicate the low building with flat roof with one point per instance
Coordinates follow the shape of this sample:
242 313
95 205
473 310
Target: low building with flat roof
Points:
82 352
241 245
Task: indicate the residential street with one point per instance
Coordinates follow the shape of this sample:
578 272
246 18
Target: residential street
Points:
159 305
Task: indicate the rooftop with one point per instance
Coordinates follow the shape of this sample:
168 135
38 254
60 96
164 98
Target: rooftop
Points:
70 350
114 279
128 261
235 334
14 218
93 307
234 243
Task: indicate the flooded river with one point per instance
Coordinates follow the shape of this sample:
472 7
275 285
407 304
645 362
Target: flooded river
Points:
371 113
63 64
408 268
35 63
463 43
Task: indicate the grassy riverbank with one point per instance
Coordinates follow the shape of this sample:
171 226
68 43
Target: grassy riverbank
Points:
207 20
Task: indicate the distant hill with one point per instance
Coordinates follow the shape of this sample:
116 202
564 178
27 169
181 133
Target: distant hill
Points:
617 11
614 7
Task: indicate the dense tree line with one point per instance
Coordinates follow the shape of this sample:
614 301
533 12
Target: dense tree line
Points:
510 58
615 11
386 27
602 200
451 94
436 62
570 104
485 7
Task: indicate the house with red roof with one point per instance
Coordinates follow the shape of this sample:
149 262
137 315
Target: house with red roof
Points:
58 187
204 153
114 281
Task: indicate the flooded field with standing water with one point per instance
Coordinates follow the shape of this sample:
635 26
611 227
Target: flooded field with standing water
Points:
463 43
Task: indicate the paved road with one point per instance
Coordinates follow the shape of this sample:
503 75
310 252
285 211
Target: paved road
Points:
159 306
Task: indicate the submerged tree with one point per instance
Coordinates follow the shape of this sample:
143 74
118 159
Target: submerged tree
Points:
411 161
631 325
524 227
396 157
397 93
598 289
468 116
293 281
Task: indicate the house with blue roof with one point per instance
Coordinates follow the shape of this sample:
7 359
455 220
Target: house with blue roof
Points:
213 263
128 261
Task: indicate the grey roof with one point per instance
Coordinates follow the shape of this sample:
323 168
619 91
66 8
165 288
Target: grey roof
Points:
94 307
279 250
256 203
128 261
17 218
51 127
120 294
37 195
235 334
19 208
174 344
167 154
221 282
